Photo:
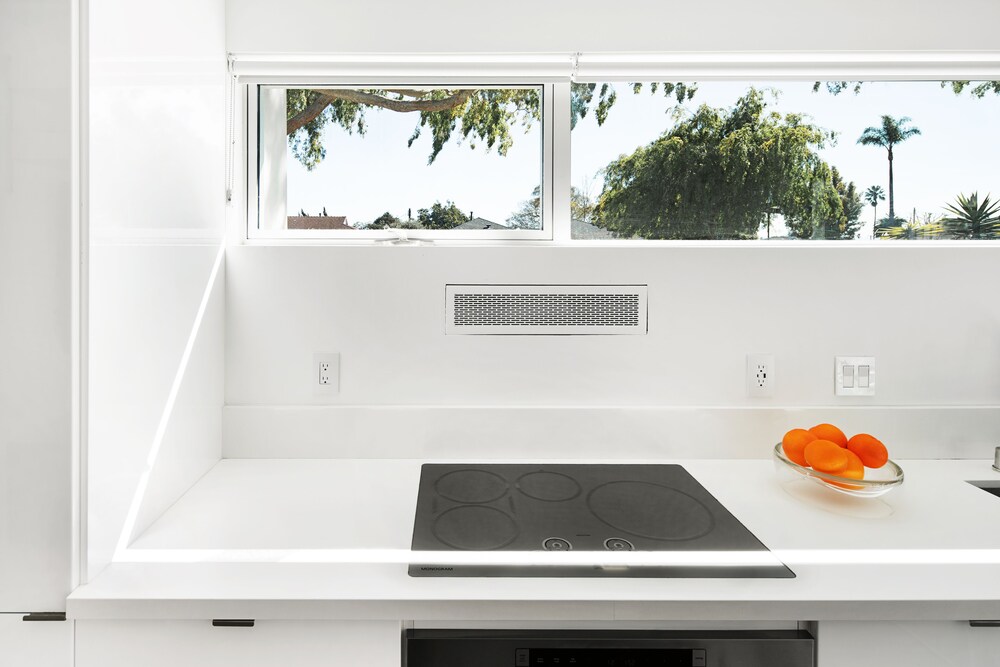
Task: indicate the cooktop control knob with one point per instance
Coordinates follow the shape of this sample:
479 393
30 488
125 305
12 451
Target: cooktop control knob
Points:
618 544
557 544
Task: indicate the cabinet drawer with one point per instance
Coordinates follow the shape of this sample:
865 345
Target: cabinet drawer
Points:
266 644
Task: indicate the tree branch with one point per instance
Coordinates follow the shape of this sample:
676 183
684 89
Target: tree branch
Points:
328 96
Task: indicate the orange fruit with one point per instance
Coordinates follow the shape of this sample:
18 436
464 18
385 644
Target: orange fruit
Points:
869 449
829 432
855 470
794 445
826 456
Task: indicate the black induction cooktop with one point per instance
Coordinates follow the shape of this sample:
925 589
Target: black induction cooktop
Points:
581 508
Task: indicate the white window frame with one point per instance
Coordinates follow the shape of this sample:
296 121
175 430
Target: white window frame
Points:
556 72
546 172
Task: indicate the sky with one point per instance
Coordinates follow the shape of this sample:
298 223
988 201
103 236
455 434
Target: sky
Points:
363 177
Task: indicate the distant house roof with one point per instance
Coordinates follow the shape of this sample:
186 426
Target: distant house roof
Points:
318 222
481 223
584 230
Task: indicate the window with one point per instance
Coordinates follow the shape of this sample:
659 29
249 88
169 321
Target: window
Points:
574 157
425 162
786 160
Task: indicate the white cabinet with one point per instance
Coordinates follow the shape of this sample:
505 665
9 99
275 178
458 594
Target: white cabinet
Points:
35 300
34 643
909 643
267 644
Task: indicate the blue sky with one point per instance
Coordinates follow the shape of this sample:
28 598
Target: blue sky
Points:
364 176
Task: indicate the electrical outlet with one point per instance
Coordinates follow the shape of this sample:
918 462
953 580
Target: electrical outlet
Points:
760 375
326 372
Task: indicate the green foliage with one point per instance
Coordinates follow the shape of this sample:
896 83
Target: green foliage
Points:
874 195
529 216
972 219
979 90
887 135
478 116
582 97
306 143
487 116
441 216
717 175
846 221
386 221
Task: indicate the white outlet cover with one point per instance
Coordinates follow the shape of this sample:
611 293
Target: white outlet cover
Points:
332 358
856 362
760 375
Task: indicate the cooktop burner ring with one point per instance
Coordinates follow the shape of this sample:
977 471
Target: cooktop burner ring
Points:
471 486
650 510
547 486
475 528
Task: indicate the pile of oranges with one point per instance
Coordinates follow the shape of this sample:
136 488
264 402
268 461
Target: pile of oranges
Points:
824 447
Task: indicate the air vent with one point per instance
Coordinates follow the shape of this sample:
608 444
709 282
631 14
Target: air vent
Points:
546 309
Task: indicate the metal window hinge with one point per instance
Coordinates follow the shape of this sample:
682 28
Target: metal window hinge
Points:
232 622
45 616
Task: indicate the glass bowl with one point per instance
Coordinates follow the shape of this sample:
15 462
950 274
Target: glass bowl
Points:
877 481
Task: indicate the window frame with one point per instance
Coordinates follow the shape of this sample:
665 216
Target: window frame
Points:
547 169
556 72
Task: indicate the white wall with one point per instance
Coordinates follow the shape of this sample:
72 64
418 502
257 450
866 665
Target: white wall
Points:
157 213
35 304
924 313
598 25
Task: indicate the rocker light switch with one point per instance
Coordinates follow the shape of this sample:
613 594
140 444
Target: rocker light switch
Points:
854 376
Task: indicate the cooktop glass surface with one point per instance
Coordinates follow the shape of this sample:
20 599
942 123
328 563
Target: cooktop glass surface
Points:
587 509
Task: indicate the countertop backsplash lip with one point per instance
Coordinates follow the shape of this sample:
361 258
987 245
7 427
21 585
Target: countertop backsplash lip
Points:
587 432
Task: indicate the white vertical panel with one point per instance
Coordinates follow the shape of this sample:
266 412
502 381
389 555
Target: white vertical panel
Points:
35 305
157 169
34 643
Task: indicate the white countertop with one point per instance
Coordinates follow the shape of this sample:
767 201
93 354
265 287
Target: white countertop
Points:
299 538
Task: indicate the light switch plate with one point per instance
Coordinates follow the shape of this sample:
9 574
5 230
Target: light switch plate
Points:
855 376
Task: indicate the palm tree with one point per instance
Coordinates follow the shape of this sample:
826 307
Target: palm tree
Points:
873 196
972 219
891 133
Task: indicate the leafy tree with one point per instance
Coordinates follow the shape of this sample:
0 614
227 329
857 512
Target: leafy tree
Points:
477 115
847 221
389 221
441 216
718 174
529 216
972 219
873 196
890 133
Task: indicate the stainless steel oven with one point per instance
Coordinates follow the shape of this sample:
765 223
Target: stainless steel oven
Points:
608 648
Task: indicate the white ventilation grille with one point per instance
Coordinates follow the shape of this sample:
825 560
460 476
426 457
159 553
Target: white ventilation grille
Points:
546 309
